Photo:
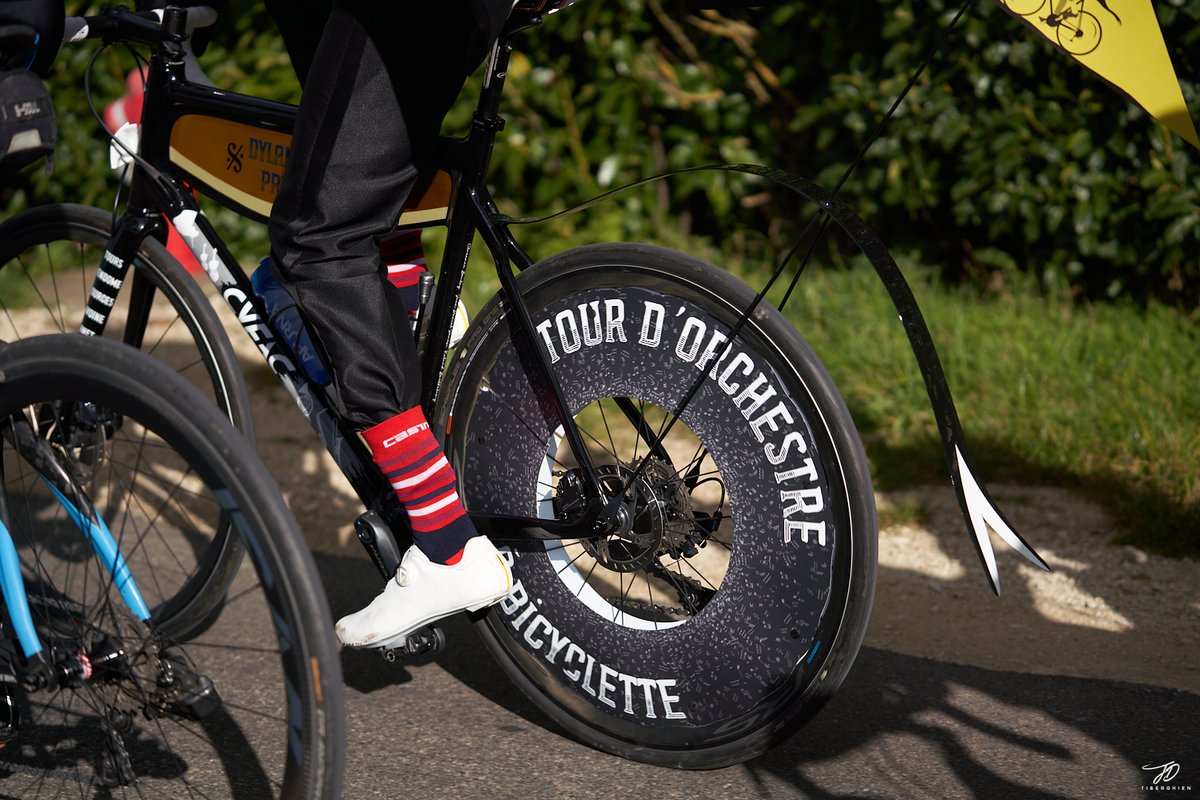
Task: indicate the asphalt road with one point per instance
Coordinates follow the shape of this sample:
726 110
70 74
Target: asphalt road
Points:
900 727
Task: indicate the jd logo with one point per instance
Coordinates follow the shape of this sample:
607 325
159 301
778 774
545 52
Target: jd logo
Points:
234 162
1166 772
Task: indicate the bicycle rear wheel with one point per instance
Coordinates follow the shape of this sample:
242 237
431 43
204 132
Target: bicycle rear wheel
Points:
163 470
48 261
733 598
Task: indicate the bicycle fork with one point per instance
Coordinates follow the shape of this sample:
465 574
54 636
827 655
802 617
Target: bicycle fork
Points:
48 671
114 266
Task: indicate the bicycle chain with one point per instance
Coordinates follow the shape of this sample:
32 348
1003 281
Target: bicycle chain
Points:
640 607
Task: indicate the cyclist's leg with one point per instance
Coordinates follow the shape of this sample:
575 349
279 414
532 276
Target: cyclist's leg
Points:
381 81
300 22
344 179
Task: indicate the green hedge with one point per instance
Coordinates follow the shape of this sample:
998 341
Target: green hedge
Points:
1006 161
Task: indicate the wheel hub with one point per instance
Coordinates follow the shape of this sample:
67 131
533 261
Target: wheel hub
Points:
650 520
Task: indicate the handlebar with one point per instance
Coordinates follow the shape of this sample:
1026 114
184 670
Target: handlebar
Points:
167 26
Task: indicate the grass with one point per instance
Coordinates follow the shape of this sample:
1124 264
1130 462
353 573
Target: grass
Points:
1104 400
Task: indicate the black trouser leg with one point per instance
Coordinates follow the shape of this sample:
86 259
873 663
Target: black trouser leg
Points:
381 80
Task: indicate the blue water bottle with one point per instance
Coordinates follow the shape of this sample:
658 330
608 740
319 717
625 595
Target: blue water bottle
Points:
285 320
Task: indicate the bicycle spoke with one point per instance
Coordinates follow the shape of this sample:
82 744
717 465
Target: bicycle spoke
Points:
571 563
599 444
641 405
57 297
12 323
42 298
604 417
153 518
699 574
587 577
521 419
650 594
153 349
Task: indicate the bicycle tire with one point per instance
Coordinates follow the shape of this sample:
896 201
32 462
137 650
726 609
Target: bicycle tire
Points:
45 246
1082 38
279 738
774 613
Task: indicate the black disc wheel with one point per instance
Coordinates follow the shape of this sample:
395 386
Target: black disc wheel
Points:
730 593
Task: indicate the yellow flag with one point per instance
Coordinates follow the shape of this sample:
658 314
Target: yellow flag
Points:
1121 42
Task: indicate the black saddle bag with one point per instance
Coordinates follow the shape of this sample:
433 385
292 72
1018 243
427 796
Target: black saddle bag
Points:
28 130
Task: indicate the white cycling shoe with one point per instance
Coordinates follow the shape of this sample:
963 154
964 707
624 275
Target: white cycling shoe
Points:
422 592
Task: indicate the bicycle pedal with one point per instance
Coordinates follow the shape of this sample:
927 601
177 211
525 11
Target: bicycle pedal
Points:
427 641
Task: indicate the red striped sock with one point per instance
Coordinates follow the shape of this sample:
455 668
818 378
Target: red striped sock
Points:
415 465
404 258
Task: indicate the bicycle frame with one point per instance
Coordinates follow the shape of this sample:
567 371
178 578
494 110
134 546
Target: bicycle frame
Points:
160 188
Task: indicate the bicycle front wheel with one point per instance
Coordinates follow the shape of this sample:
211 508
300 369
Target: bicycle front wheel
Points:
250 707
48 260
730 601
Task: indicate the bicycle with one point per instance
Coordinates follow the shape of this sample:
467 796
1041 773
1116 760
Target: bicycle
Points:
114 471
1078 31
678 485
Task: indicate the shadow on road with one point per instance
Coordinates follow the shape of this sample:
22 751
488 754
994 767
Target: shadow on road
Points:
923 728
900 726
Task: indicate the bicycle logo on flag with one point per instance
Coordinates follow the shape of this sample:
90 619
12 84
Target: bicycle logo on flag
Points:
1078 31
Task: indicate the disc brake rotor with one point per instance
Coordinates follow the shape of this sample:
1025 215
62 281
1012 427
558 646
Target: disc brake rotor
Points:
653 518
